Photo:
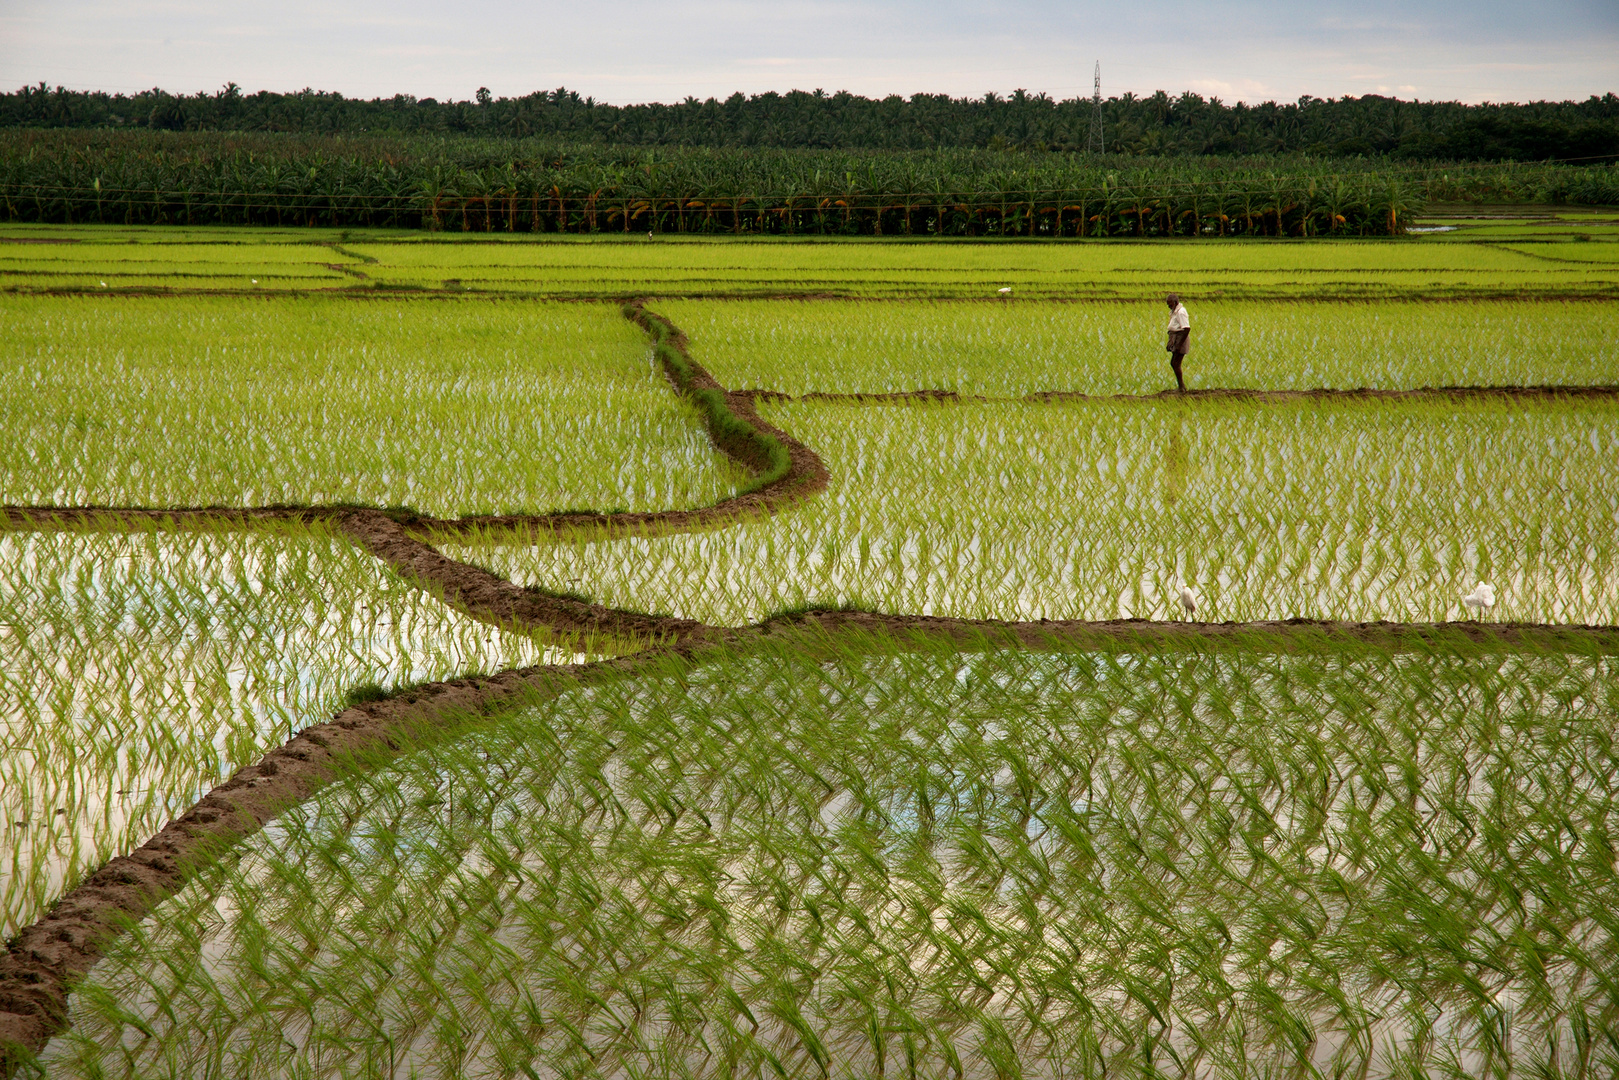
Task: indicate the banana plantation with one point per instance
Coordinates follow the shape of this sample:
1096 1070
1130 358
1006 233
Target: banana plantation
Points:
139 178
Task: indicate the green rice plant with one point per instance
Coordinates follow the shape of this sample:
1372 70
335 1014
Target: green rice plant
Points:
1024 347
1093 510
448 408
858 856
138 670
1080 270
1558 224
109 259
107 262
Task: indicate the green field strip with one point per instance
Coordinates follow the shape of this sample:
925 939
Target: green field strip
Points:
1091 510
609 266
998 496
1575 252
863 856
200 269
1025 347
1121 286
139 670
21 232
449 409
242 256
1075 257
1115 269
191 266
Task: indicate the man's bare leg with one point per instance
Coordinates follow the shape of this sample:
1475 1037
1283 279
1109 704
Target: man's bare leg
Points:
1175 359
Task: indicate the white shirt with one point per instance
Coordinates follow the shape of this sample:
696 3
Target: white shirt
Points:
1178 319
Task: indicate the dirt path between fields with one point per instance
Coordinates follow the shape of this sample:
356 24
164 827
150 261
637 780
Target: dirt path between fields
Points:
1438 393
44 960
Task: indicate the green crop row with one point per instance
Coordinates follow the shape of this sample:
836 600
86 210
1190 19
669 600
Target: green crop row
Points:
137 671
857 857
101 260
447 407
1092 510
1110 270
1024 347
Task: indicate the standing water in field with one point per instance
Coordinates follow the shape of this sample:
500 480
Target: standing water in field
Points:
141 670
848 860
1357 511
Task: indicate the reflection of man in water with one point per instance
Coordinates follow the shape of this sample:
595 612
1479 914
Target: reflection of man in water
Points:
1180 332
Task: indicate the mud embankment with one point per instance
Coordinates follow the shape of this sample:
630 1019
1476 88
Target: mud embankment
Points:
1437 393
42 962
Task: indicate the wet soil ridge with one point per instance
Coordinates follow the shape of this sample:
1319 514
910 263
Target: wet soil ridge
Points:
1435 393
43 961
492 599
785 471
1275 634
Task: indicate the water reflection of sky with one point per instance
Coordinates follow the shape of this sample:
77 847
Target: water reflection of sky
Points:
139 671
574 812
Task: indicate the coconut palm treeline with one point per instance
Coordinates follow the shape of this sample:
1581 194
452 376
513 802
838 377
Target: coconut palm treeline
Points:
1154 125
531 185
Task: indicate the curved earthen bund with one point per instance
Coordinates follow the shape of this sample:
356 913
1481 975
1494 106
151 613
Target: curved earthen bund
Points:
44 960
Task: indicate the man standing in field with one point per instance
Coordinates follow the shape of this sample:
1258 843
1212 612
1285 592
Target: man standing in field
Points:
1180 332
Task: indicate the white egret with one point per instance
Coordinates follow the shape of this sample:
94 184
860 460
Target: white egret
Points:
1481 598
1188 598
103 284
255 281
1006 291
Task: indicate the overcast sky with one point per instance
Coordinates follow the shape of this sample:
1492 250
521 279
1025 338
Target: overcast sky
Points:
637 50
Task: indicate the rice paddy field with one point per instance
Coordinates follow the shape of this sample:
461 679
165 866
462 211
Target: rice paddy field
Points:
447 408
857 858
1569 254
140 669
1095 511
917 763
1019 348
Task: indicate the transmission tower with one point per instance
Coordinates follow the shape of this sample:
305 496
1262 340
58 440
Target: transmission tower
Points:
1093 141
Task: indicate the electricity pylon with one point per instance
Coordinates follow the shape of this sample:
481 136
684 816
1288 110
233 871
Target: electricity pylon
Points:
1093 141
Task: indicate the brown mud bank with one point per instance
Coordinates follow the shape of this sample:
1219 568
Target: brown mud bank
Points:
1437 393
41 964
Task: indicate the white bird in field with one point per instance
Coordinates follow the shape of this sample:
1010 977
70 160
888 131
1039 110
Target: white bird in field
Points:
1482 597
1006 291
103 284
1188 598
255 281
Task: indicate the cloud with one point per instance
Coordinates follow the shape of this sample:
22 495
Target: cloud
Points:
637 50
1233 90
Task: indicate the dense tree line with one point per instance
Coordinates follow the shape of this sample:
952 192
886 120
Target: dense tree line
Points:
1158 125
532 185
